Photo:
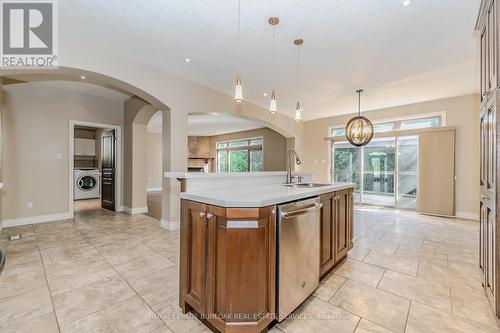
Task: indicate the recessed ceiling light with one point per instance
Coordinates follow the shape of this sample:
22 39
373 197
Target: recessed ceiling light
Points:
265 94
406 3
83 77
187 60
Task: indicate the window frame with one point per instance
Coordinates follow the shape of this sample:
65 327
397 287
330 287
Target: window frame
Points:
398 120
248 148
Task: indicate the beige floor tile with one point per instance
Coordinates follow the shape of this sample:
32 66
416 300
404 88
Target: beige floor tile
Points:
398 264
422 255
358 253
63 277
360 272
177 321
472 306
424 319
49 227
82 301
134 269
314 316
471 268
17 255
17 279
46 323
380 307
451 277
378 245
130 315
163 329
60 238
328 287
407 241
24 307
432 294
366 326
68 252
158 288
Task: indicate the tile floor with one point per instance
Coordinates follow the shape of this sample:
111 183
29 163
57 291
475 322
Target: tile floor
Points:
108 272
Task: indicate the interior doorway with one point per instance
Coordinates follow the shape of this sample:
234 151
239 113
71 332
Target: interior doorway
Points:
94 167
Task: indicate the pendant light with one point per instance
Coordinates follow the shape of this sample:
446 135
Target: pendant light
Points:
359 130
238 90
273 109
298 107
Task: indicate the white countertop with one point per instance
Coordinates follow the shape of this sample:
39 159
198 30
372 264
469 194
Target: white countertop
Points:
198 175
259 196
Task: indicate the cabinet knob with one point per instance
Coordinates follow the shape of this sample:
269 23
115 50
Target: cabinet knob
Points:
202 214
209 215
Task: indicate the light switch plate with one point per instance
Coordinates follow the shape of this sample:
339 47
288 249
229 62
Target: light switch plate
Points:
58 156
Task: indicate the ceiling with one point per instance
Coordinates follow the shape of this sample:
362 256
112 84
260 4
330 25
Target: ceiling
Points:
208 124
398 54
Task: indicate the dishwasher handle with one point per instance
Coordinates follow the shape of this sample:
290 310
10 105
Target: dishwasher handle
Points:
302 211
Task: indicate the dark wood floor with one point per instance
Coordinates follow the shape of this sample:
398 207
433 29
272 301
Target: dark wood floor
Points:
154 204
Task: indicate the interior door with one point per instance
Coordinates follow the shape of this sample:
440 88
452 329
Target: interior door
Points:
108 157
488 198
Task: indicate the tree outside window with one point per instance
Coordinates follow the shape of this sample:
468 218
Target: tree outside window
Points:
240 156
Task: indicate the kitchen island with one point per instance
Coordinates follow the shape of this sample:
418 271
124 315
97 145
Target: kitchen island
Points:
230 245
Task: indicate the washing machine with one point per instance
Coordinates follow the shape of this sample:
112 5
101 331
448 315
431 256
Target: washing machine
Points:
87 184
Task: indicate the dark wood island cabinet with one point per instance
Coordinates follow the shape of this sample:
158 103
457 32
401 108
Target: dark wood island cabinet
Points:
228 259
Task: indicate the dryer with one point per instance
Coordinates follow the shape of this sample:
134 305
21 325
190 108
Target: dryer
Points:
87 184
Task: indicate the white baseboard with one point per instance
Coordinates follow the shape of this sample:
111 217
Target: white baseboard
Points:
133 211
154 189
170 225
35 219
467 215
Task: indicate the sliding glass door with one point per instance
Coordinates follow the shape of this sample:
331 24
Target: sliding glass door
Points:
384 171
379 166
347 166
407 172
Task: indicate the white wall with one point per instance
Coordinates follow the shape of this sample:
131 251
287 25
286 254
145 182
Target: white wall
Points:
35 129
154 161
462 112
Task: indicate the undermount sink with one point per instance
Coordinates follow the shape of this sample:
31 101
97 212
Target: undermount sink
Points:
305 185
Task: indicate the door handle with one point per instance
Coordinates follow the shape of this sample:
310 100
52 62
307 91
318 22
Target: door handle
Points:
302 211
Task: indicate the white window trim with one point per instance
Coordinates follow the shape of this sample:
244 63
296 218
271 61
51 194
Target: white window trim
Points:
396 119
383 120
236 140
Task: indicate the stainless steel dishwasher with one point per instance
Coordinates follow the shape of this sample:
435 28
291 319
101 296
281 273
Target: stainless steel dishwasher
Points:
298 253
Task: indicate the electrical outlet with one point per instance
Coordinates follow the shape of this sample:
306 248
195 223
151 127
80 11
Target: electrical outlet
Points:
30 204
59 156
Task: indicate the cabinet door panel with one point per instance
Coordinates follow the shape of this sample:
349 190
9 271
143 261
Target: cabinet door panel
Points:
193 252
242 264
327 233
342 238
484 63
492 47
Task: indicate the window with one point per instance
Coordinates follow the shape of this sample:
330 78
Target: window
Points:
402 124
386 170
240 156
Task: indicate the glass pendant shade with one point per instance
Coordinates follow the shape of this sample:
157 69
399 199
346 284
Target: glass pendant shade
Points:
238 91
359 131
272 105
298 112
